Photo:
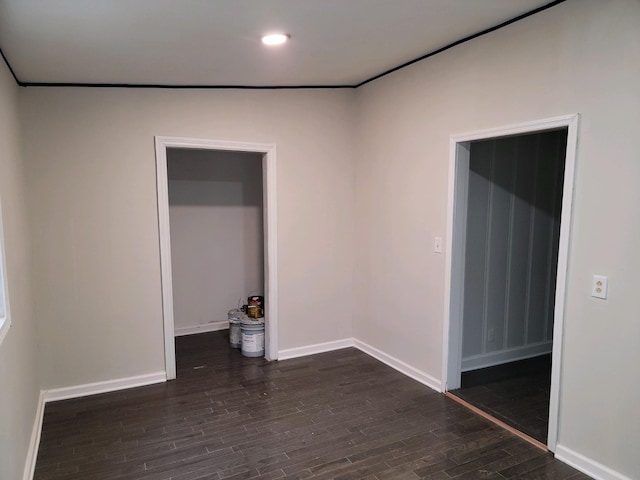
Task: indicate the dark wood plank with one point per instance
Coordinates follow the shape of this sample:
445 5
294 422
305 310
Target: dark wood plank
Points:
515 393
338 415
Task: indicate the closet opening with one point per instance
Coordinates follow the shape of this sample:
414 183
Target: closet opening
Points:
508 254
217 234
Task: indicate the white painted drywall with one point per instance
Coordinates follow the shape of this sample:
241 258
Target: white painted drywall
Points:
217 247
91 183
581 56
513 229
90 163
19 383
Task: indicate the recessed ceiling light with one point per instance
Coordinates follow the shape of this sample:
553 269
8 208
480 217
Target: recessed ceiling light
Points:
275 39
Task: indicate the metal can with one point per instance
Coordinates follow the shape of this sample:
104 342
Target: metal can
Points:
255 307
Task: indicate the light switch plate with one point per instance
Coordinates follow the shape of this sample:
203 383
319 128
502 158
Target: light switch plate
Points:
437 245
599 286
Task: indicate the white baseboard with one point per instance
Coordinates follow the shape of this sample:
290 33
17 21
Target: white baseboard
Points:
34 443
317 348
587 465
564 454
103 387
400 366
504 356
394 363
207 327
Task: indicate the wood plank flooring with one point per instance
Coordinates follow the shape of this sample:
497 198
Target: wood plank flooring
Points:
521 400
338 415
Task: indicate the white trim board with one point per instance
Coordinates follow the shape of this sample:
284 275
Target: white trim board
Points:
389 360
5 325
77 391
491 359
207 327
400 366
94 388
34 443
316 348
270 236
564 454
586 465
454 271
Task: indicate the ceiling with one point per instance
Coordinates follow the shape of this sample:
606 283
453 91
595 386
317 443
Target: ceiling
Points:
217 42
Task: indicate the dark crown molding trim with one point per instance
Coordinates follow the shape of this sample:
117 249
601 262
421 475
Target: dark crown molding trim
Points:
282 87
6 61
463 40
182 87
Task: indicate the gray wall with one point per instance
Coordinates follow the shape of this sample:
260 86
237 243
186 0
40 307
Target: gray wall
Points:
362 178
217 247
581 56
513 228
90 163
19 382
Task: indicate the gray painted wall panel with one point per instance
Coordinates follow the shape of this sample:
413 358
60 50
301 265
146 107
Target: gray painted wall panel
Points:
513 222
521 233
501 180
540 281
476 248
555 236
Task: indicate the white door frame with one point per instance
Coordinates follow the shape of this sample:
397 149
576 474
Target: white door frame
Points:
454 267
270 236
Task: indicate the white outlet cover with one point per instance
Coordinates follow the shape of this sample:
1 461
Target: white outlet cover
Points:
599 286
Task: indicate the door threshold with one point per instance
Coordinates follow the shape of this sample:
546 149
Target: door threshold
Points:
500 423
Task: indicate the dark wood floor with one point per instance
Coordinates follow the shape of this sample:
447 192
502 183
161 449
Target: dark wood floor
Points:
520 400
338 415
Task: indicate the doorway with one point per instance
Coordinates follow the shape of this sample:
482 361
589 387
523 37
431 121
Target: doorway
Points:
508 230
217 244
166 148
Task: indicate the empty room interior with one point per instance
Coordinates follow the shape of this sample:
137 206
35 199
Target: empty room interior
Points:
435 205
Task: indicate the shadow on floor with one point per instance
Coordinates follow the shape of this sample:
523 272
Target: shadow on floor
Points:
516 393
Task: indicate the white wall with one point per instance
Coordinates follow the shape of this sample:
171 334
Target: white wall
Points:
511 255
91 176
91 181
580 56
217 246
19 385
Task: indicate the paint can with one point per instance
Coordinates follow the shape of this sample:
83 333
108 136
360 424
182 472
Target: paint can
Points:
235 335
252 337
255 306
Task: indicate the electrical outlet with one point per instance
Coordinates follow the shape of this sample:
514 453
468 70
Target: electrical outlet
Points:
599 286
437 244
